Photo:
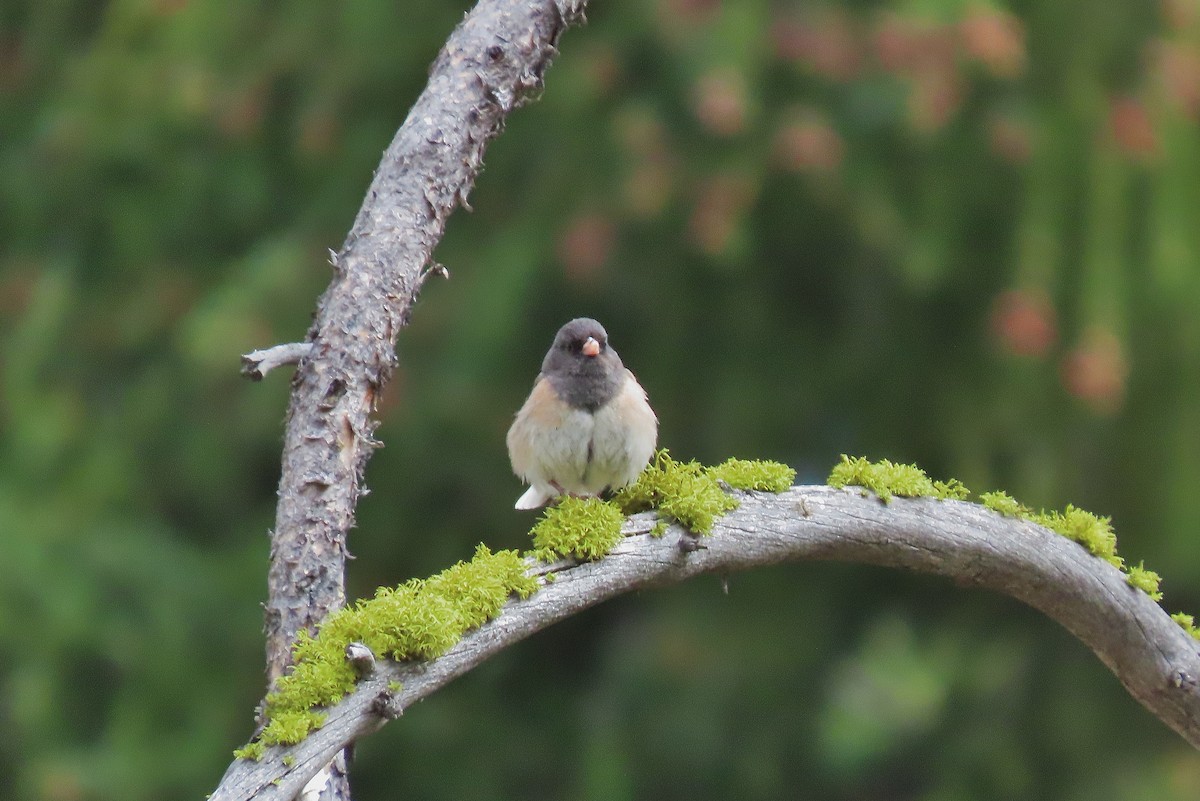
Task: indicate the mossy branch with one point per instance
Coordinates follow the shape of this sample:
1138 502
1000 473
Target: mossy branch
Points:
1152 654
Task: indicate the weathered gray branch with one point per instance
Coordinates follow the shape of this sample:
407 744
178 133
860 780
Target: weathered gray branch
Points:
1157 661
491 61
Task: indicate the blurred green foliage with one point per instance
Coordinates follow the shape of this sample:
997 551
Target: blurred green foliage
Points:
952 232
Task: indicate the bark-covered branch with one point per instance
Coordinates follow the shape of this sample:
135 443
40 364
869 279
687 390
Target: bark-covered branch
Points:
493 60
1156 660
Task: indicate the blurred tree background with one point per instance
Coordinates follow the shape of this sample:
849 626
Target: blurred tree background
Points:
956 232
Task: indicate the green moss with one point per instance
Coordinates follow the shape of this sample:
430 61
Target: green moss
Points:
586 528
1188 623
477 590
1091 531
1095 533
687 492
1145 580
887 479
951 490
1000 501
395 687
684 491
419 619
577 528
760 475
290 726
289 761
252 751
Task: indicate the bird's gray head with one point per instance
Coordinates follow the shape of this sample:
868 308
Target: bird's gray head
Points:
582 368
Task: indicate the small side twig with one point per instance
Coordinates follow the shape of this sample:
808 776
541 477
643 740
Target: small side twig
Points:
257 364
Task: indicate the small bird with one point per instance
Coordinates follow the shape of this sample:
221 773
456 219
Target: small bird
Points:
586 426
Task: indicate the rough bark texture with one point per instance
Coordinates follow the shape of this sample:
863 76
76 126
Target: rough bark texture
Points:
493 60
1157 661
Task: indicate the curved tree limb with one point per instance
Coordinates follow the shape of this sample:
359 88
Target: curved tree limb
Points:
1156 660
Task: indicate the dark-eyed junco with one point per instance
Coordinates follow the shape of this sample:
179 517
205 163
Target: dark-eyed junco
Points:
586 426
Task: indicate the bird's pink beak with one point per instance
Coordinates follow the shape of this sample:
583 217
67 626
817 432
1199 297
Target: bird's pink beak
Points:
591 347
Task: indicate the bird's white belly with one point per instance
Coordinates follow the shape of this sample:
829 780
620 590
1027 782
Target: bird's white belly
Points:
585 454
561 453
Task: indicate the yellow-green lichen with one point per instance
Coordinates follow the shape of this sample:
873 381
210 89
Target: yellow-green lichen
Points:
577 528
684 491
887 479
1145 580
761 475
1187 623
419 619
